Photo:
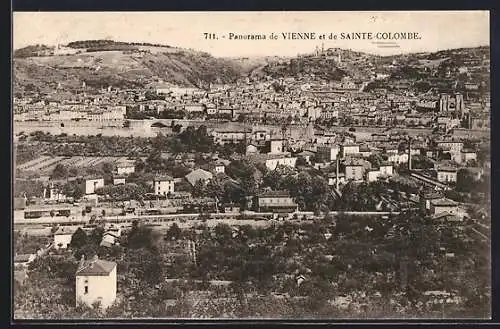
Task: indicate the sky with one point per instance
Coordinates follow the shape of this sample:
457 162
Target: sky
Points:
437 30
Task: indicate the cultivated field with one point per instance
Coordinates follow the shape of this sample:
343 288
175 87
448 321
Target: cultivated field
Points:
44 165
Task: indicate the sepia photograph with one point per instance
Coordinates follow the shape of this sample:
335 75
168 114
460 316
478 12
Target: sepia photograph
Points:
284 165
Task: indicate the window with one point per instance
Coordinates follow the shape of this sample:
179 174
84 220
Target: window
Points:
86 288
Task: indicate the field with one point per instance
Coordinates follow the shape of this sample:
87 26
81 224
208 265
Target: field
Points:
44 165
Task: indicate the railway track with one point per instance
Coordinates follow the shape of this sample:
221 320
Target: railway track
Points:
174 217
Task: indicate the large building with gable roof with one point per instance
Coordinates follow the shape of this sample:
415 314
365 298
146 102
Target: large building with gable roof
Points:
96 282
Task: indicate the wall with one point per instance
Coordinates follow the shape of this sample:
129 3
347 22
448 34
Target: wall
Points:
92 184
163 187
65 239
100 288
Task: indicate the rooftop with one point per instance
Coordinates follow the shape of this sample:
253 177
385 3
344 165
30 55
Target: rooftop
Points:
160 177
444 202
95 266
274 194
66 230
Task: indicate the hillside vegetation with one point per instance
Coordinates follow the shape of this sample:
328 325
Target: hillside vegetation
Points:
120 65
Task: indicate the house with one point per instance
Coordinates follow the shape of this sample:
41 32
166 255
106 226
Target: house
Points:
447 175
199 174
355 169
468 155
163 185
372 175
23 260
260 135
224 137
251 149
192 108
306 155
276 201
92 184
125 168
332 178
273 162
385 170
231 207
450 145
347 149
96 282
220 167
398 158
444 205
427 198
110 237
275 146
365 151
62 237
329 153
119 180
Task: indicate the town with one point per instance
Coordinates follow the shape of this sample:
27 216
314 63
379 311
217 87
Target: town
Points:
335 184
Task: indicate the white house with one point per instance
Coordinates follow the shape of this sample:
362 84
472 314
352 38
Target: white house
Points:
398 158
385 170
162 185
468 155
348 149
271 164
332 178
62 237
92 184
276 146
199 174
118 180
220 167
110 237
124 168
96 282
447 175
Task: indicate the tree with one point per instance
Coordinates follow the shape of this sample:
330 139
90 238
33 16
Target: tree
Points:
60 172
78 239
73 189
174 232
301 161
199 189
244 172
465 181
142 237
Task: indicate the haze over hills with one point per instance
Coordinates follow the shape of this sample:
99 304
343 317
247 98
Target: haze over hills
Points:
103 63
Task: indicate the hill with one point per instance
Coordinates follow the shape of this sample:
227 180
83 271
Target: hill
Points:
119 65
103 63
442 71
